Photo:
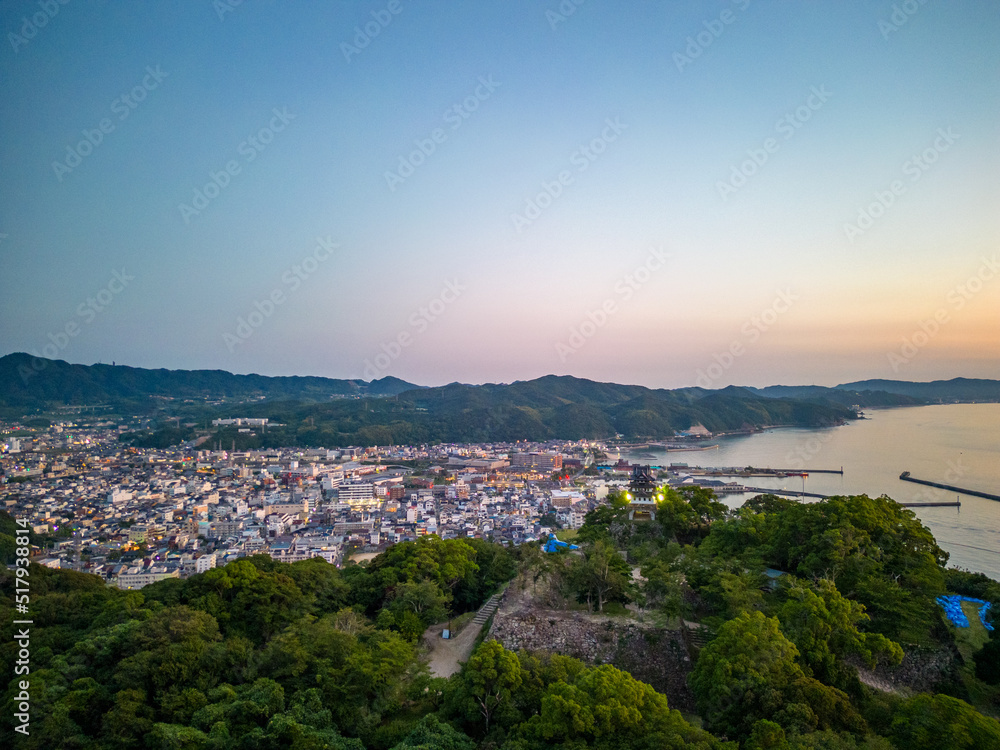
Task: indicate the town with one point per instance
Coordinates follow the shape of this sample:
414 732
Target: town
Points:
134 516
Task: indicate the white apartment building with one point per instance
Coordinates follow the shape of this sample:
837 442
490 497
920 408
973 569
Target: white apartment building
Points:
138 576
356 492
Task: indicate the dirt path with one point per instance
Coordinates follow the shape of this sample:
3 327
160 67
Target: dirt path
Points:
446 655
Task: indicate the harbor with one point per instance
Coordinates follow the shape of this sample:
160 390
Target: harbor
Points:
954 444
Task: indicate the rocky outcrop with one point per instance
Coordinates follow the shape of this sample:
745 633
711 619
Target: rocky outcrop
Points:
653 655
922 670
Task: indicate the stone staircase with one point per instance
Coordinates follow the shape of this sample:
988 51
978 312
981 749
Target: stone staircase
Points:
487 610
697 637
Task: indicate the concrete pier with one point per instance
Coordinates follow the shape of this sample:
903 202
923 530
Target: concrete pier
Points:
905 476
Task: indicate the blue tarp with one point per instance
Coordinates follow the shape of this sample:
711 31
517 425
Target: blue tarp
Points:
953 610
554 545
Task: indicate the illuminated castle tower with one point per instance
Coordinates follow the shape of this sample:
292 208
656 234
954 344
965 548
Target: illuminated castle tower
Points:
642 494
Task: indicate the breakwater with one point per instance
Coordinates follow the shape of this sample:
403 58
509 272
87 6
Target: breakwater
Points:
905 476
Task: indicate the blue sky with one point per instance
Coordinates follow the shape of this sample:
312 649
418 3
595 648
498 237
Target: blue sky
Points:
649 192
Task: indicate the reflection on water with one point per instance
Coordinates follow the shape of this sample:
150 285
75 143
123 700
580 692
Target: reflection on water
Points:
956 444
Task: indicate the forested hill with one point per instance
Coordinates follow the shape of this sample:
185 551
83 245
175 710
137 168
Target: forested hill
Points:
28 382
265 655
325 411
866 398
568 407
957 389
316 411
549 408
33 382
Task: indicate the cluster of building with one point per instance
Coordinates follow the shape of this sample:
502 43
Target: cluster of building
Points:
135 516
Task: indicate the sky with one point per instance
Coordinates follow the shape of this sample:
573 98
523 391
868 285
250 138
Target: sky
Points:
663 193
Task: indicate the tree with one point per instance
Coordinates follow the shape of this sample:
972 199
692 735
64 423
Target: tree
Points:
321 583
606 707
742 673
175 737
875 551
601 575
128 721
599 522
488 680
251 596
534 565
705 504
495 565
748 672
431 733
741 592
987 660
448 563
824 627
932 722
664 588
425 599
768 735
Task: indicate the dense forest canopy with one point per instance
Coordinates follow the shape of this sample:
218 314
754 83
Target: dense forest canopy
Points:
477 414
261 654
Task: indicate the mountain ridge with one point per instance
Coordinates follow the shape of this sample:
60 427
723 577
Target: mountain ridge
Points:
955 389
312 411
34 381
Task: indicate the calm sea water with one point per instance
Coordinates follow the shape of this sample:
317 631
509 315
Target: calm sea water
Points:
957 444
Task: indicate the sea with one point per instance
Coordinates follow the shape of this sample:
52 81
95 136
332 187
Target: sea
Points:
954 444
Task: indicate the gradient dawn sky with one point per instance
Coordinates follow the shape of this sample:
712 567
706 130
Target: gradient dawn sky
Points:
663 193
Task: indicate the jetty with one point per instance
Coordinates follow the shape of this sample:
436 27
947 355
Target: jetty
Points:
676 448
751 471
784 493
952 504
905 476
